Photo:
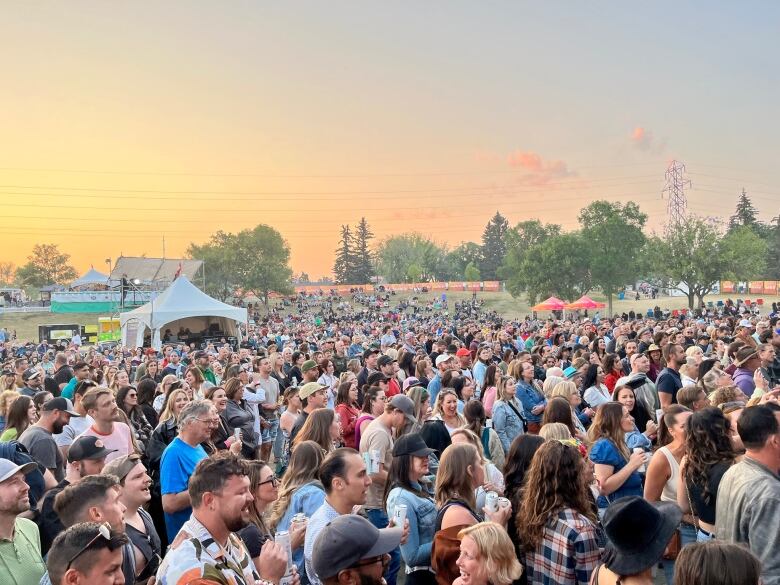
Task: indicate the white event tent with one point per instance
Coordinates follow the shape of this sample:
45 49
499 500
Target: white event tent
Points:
91 278
181 305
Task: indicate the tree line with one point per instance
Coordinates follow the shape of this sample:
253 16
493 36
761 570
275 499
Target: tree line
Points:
609 250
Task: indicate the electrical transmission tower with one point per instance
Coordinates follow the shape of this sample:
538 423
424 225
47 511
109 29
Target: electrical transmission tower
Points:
675 193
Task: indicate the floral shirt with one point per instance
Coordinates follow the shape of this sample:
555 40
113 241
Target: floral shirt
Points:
196 558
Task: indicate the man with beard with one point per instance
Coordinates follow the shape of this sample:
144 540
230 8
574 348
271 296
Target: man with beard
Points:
86 456
206 549
20 552
669 381
100 404
139 525
38 439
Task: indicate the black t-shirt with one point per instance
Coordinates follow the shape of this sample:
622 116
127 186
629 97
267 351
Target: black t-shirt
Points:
254 539
669 382
49 522
706 510
148 544
63 375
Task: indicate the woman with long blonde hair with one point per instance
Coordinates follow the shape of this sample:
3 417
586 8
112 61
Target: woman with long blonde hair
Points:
556 512
300 492
446 410
322 427
7 398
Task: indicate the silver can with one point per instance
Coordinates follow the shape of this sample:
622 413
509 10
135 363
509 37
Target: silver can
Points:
282 538
299 518
491 502
504 503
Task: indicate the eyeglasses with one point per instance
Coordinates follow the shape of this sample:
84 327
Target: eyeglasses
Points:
273 480
104 531
209 421
384 559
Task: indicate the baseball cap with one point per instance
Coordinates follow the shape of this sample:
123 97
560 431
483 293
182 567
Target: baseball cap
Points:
196 355
384 360
309 388
440 359
570 371
462 352
370 351
411 444
7 372
87 447
8 468
308 365
746 323
346 540
30 373
121 466
404 404
411 382
60 403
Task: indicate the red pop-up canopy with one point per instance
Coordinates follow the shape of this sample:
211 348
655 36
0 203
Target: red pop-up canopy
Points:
551 304
584 302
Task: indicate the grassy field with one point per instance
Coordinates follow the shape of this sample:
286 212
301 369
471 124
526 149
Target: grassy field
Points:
26 324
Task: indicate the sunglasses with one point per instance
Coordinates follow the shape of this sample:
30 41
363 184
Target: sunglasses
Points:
273 480
384 559
104 531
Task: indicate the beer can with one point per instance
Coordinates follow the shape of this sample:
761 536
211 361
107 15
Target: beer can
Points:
282 538
491 502
504 502
375 461
642 469
299 518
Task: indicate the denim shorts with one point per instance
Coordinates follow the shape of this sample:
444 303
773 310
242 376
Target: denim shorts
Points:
269 434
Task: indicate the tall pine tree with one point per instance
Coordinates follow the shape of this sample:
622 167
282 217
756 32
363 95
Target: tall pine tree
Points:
343 267
364 259
745 214
493 247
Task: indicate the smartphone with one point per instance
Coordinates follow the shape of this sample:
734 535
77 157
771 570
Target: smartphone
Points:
237 434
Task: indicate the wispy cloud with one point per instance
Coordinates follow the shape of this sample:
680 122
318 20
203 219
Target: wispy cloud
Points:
539 170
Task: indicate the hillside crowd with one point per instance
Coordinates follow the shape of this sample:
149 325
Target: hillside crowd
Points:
369 445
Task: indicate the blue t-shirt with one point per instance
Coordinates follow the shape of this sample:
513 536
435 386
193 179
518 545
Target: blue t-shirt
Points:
176 466
604 452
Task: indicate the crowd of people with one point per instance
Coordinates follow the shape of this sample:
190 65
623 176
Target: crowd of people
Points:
371 445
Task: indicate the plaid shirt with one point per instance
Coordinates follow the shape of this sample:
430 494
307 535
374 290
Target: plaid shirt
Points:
568 553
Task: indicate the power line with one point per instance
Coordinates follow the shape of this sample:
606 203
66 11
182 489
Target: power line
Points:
675 190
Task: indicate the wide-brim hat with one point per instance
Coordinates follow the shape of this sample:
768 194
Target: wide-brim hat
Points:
631 550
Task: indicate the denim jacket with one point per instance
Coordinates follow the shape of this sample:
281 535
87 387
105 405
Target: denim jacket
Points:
506 423
306 499
421 513
636 439
529 397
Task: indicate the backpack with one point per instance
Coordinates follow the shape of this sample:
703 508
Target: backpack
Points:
18 453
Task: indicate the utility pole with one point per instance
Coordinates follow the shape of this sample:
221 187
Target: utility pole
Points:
163 246
677 203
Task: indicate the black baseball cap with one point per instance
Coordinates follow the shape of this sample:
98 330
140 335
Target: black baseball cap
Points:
60 403
384 360
411 444
370 351
87 447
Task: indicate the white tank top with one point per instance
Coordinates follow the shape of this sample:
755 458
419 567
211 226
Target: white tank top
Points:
669 494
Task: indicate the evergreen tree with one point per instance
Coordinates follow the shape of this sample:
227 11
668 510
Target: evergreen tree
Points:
493 246
772 271
364 259
343 267
745 214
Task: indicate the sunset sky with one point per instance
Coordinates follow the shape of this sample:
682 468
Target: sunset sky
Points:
123 123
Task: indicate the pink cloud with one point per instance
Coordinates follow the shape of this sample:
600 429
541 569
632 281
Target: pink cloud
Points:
539 170
643 139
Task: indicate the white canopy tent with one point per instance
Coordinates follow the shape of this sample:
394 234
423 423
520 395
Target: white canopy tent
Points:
91 278
181 305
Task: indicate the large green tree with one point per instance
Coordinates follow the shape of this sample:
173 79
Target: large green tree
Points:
519 240
556 266
772 270
694 256
459 258
46 265
745 213
344 264
410 257
218 256
364 259
493 246
254 260
613 235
